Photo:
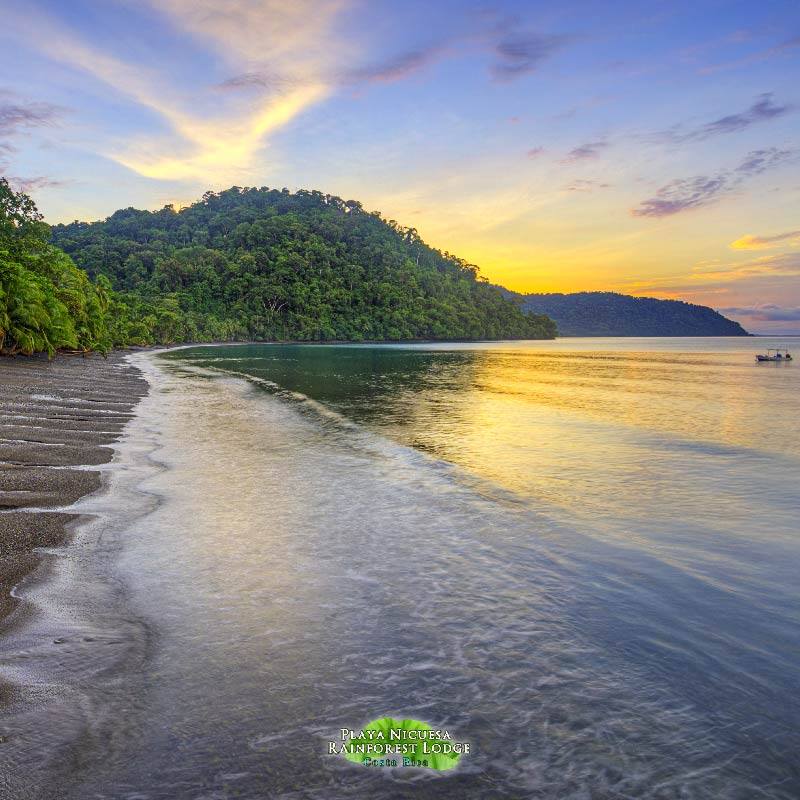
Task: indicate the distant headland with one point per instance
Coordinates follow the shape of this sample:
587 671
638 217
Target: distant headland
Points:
613 314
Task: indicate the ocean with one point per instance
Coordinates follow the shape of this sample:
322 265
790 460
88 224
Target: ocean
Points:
581 557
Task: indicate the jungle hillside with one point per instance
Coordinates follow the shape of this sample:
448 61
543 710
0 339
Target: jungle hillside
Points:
244 264
272 265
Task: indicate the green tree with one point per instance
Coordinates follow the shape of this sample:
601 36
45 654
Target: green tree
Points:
46 302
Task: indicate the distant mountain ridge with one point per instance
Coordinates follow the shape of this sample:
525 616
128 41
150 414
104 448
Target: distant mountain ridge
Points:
614 314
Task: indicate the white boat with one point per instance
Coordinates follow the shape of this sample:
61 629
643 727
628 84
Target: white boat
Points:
775 354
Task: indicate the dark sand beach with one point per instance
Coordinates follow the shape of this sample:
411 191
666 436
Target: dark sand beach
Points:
57 419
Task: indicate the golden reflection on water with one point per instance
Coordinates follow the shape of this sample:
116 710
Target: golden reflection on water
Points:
548 424
598 427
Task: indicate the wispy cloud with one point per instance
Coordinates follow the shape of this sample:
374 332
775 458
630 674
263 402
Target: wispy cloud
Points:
750 242
264 81
681 195
514 51
763 109
769 312
298 36
262 37
718 278
281 58
684 194
29 185
535 152
782 48
18 117
585 185
394 68
397 67
584 152
5 153
779 265
758 161
519 53
760 111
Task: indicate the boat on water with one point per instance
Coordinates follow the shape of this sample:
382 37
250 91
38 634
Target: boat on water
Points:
775 354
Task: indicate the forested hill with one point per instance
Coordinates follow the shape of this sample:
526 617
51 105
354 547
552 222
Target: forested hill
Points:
267 264
612 314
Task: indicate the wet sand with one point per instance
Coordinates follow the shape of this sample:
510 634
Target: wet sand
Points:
58 419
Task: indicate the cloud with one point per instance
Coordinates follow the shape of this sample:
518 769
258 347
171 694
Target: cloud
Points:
779 49
520 53
514 51
392 69
18 117
397 67
29 185
762 110
585 186
788 44
769 312
683 194
5 151
258 80
281 59
773 275
749 242
535 152
298 35
779 265
584 151
758 161
209 138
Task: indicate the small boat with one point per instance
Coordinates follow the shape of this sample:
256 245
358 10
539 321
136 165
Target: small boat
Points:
776 354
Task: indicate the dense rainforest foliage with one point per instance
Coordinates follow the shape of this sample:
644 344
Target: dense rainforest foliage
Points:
244 264
46 302
267 264
612 314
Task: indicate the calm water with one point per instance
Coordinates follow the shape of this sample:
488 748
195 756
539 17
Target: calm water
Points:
581 556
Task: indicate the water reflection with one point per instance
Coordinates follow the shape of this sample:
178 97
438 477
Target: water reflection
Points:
544 423
600 591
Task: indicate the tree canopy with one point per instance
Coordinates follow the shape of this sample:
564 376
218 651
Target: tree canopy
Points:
239 265
46 302
267 264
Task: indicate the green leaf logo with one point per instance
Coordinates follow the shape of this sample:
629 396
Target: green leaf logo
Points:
406 742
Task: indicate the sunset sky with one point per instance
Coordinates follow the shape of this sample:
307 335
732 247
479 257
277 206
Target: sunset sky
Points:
646 147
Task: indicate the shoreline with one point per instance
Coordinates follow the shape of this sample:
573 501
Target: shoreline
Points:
69 471
59 420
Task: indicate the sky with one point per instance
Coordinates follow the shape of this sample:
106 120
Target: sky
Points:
649 148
